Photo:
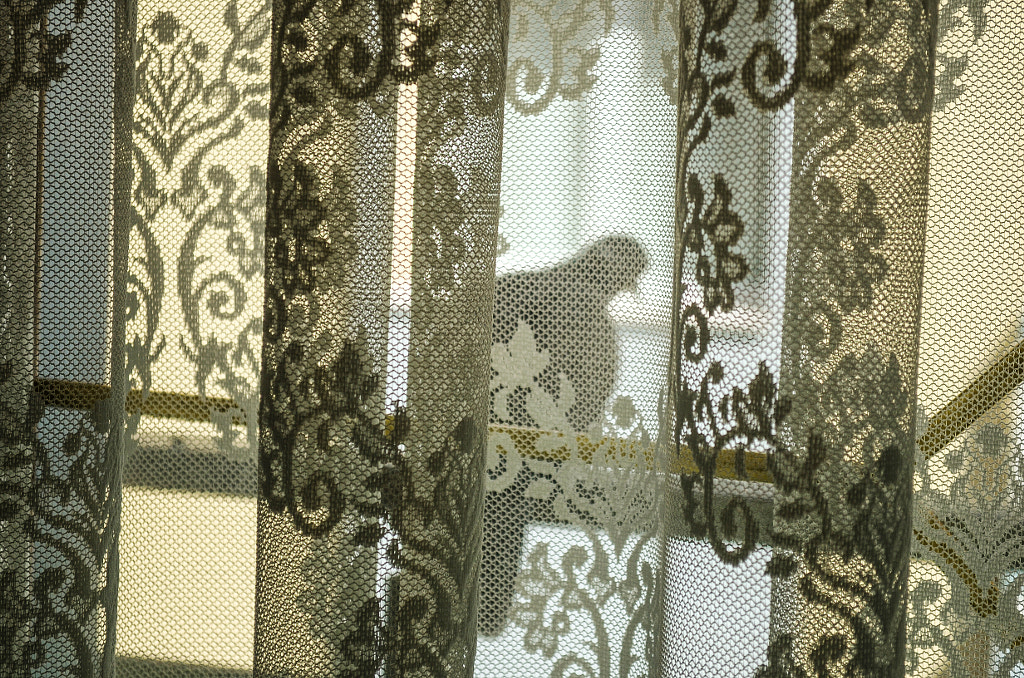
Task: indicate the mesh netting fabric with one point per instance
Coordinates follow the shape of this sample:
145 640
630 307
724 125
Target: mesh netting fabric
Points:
450 338
965 611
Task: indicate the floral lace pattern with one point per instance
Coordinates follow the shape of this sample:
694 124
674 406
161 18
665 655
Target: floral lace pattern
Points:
191 106
835 423
723 373
385 496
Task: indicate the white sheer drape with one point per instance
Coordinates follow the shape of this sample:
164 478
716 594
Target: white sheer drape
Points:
563 338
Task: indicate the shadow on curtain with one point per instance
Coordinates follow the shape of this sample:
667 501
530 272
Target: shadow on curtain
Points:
576 338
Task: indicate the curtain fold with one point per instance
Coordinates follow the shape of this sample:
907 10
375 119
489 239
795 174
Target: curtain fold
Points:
369 473
517 338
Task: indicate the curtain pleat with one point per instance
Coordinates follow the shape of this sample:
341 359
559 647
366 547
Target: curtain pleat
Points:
964 608
64 235
325 442
838 414
19 115
849 346
371 476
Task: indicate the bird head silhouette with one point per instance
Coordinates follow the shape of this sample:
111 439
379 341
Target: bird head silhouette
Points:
611 265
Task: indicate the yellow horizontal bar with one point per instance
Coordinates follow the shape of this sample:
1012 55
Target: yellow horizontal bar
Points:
952 420
77 395
525 440
980 395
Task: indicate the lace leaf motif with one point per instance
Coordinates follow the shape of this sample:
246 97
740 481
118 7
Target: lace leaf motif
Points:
516 370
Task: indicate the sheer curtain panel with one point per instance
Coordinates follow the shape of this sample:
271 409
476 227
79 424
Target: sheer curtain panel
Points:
562 338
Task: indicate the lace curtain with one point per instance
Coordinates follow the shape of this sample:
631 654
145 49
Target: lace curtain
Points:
570 338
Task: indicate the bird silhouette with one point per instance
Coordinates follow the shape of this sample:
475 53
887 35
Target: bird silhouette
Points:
566 309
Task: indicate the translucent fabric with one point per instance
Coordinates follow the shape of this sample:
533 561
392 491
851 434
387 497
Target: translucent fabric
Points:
569 338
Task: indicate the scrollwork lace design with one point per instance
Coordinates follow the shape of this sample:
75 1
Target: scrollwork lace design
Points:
607 489
712 235
711 231
951 63
822 55
396 488
744 418
191 106
370 46
30 52
387 512
356 69
566 69
384 512
842 495
555 604
867 529
59 602
966 525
